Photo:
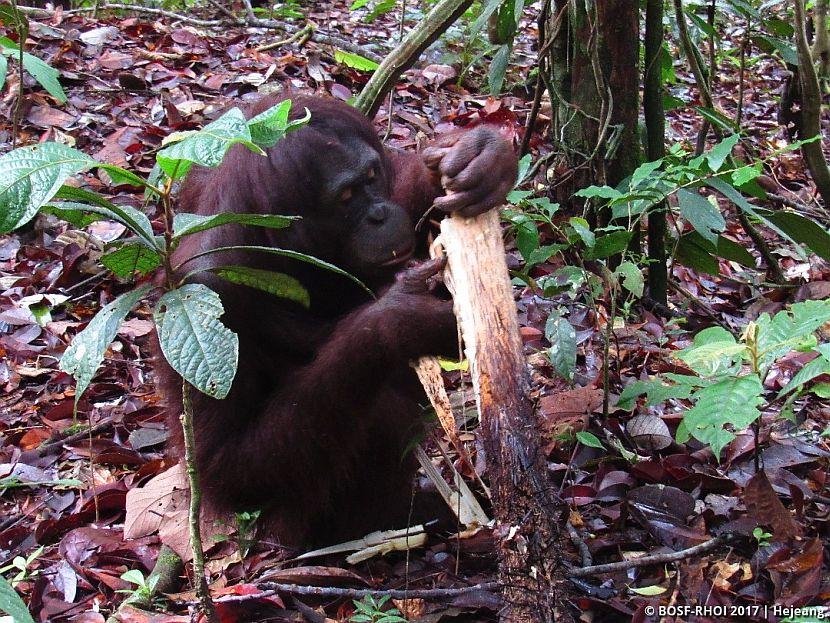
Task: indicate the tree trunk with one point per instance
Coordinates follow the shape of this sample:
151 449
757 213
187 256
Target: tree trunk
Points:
594 73
810 108
655 148
527 534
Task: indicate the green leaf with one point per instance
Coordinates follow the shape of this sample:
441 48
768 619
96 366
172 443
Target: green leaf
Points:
185 223
134 220
527 235
271 125
358 4
720 152
691 253
643 172
724 247
774 44
802 229
130 258
355 61
733 402
119 176
601 192
278 284
632 278
12 604
208 146
296 255
609 244
133 576
703 216
86 352
30 176
46 75
498 69
4 68
194 341
583 230
811 370
713 352
562 352
648 591
746 174
589 439
782 333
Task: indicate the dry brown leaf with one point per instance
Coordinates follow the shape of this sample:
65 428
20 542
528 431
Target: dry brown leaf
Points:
764 506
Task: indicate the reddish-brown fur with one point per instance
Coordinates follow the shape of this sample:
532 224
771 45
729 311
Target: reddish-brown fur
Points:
324 405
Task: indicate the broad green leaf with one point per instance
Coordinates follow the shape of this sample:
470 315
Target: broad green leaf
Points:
4 68
358 4
208 146
589 439
802 229
46 75
355 61
746 174
732 402
133 576
527 235
136 221
296 255
498 69
774 44
278 284
583 230
720 152
713 352
119 175
30 176
12 604
562 352
544 253
782 333
609 244
691 253
811 370
643 172
703 216
194 341
86 352
632 278
656 391
601 192
271 125
132 257
185 223
724 247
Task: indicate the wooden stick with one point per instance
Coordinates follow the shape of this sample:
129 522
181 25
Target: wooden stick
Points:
644 561
524 506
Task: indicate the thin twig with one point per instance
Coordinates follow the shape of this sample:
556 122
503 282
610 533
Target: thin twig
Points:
55 446
656 559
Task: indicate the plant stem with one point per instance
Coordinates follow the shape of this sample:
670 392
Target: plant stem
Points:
194 511
741 73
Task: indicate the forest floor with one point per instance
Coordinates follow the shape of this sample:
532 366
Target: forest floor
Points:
132 81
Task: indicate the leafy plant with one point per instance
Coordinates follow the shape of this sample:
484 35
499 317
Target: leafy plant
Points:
761 536
727 387
144 587
682 177
46 75
22 566
370 610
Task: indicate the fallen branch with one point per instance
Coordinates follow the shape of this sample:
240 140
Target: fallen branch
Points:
272 588
645 561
